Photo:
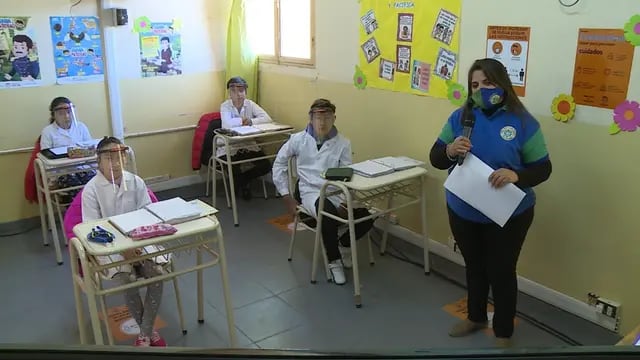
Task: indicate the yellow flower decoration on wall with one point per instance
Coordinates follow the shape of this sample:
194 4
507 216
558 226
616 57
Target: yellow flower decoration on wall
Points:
563 107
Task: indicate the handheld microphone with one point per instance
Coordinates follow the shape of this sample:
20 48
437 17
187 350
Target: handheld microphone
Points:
468 121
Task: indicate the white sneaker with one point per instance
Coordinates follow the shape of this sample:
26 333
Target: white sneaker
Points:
345 253
337 272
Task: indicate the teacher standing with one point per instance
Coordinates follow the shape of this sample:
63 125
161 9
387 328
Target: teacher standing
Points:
509 139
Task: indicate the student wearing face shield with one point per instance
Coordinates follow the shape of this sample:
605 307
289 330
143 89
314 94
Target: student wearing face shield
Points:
64 129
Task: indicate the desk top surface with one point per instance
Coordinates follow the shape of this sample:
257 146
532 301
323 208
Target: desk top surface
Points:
123 242
254 135
64 161
363 183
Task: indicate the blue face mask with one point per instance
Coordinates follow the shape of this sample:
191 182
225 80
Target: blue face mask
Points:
488 99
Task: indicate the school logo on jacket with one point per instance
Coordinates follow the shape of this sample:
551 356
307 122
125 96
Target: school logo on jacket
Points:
508 133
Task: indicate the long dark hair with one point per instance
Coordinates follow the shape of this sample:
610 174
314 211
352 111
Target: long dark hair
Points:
54 104
497 74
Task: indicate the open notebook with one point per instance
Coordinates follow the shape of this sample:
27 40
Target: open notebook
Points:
172 211
384 166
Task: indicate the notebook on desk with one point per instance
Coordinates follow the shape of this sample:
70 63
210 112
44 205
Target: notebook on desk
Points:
246 130
399 163
272 127
127 222
370 168
175 211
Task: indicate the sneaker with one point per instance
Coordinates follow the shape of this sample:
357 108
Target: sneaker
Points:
142 341
466 327
337 272
157 340
345 253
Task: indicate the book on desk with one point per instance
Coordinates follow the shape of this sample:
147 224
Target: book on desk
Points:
255 129
384 166
172 211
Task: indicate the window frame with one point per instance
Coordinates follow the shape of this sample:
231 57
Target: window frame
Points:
286 60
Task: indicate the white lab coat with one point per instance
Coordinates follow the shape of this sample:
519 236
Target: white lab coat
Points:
100 201
231 118
54 136
311 163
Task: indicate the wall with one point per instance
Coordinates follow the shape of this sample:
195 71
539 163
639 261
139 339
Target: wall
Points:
582 237
147 104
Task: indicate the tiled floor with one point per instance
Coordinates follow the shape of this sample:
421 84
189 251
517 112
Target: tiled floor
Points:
275 306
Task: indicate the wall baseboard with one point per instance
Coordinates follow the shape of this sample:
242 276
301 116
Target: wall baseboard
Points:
176 183
529 287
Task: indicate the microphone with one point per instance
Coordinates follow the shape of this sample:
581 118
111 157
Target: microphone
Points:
468 121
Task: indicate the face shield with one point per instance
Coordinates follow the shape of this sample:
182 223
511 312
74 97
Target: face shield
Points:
113 162
65 115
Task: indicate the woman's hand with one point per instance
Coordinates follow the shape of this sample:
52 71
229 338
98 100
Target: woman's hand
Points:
460 146
502 177
247 122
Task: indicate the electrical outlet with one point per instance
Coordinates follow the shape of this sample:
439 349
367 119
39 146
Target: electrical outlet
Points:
604 306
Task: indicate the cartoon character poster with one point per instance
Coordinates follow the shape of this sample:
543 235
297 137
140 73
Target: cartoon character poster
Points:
160 50
19 61
77 52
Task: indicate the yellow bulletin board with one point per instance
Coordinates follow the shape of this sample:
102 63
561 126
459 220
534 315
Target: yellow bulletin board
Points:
409 46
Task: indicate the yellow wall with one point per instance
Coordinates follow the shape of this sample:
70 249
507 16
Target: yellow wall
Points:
147 104
583 237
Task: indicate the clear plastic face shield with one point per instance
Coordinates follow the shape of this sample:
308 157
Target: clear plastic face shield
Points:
322 120
113 162
65 115
237 92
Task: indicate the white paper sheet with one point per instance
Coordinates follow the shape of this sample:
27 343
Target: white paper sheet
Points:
470 182
246 130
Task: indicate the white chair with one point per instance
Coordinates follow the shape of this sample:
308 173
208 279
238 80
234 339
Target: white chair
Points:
211 175
307 221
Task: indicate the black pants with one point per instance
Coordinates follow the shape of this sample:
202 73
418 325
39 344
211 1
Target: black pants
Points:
260 167
491 254
330 226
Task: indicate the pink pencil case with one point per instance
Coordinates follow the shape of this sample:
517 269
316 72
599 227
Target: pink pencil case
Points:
149 231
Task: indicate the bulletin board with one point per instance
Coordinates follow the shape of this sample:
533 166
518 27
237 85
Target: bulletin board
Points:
409 46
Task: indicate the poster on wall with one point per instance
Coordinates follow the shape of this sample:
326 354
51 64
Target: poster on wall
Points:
420 39
77 51
602 69
160 50
510 46
19 61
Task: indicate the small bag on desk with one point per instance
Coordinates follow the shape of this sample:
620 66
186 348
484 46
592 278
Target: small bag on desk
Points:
339 174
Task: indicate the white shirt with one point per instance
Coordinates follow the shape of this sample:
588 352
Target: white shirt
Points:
54 136
232 117
100 201
311 163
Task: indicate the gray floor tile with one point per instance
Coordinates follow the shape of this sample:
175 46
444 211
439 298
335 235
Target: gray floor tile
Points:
266 318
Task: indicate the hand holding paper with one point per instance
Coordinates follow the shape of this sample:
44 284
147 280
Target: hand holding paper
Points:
471 183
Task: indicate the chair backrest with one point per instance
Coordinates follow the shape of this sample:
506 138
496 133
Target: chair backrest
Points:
73 215
207 141
30 192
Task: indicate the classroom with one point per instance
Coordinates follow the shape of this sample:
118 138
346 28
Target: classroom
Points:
391 79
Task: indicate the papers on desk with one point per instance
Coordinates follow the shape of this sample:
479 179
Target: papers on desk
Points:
272 127
470 182
172 211
59 150
246 130
384 166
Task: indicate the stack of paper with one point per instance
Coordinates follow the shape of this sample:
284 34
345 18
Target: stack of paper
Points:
127 222
59 150
470 182
398 163
174 211
246 130
370 168
271 127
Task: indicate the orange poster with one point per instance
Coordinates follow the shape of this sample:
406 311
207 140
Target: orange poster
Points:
602 69
510 46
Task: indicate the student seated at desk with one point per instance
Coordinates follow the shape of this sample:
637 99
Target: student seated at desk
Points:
240 111
318 148
64 129
105 196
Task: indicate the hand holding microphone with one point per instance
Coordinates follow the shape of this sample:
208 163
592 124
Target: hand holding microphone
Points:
459 147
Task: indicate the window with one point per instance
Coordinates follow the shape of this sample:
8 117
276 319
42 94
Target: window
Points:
282 31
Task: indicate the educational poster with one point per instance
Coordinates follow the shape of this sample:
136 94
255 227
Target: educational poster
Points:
19 61
443 29
446 64
160 50
369 22
387 69
405 27
602 68
510 46
77 50
403 58
421 76
420 38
